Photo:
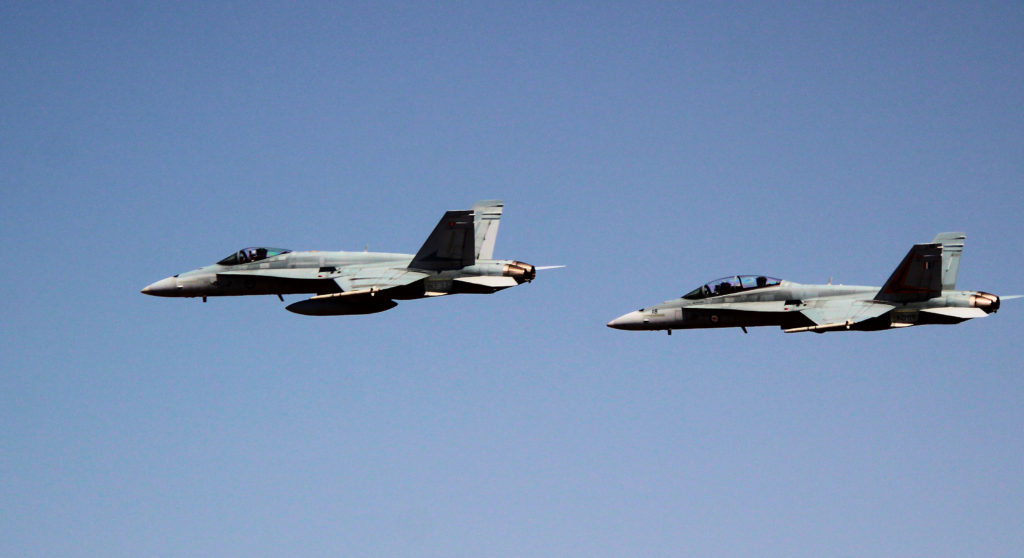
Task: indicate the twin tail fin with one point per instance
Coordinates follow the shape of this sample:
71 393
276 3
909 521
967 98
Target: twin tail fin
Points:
461 238
926 270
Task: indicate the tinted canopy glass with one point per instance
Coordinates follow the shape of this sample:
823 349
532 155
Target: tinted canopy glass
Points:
249 255
732 284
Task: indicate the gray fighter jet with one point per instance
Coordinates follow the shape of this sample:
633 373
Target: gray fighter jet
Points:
921 291
456 258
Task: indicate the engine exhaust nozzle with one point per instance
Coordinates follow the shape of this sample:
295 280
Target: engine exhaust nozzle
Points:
521 272
986 301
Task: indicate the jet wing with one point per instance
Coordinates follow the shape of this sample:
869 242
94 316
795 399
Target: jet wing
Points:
363 290
376 278
825 314
839 314
355 278
851 311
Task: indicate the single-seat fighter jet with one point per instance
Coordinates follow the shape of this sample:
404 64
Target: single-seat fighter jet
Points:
921 291
456 258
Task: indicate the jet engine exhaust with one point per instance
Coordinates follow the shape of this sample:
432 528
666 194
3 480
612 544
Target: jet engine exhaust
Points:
521 272
986 301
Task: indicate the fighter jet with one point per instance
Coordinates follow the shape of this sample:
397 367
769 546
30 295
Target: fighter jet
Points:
456 258
920 292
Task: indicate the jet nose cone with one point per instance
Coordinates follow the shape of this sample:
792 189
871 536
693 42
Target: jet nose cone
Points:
163 287
633 320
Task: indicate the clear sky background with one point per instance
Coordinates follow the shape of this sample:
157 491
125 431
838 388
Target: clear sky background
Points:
650 147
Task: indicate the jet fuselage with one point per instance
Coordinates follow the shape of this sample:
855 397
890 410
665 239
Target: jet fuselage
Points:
784 305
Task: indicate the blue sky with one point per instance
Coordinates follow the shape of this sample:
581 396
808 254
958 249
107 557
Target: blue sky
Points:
649 147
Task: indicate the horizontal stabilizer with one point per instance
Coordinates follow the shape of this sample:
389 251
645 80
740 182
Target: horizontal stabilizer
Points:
957 312
492 281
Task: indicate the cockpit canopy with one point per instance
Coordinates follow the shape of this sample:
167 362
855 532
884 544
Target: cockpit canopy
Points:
732 284
249 255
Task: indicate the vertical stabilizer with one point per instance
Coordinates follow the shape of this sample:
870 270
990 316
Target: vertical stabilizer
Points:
918 277
952 247
450 246
486 220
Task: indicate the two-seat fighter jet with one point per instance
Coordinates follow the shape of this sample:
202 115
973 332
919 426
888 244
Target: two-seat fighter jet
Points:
456 258
920 292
